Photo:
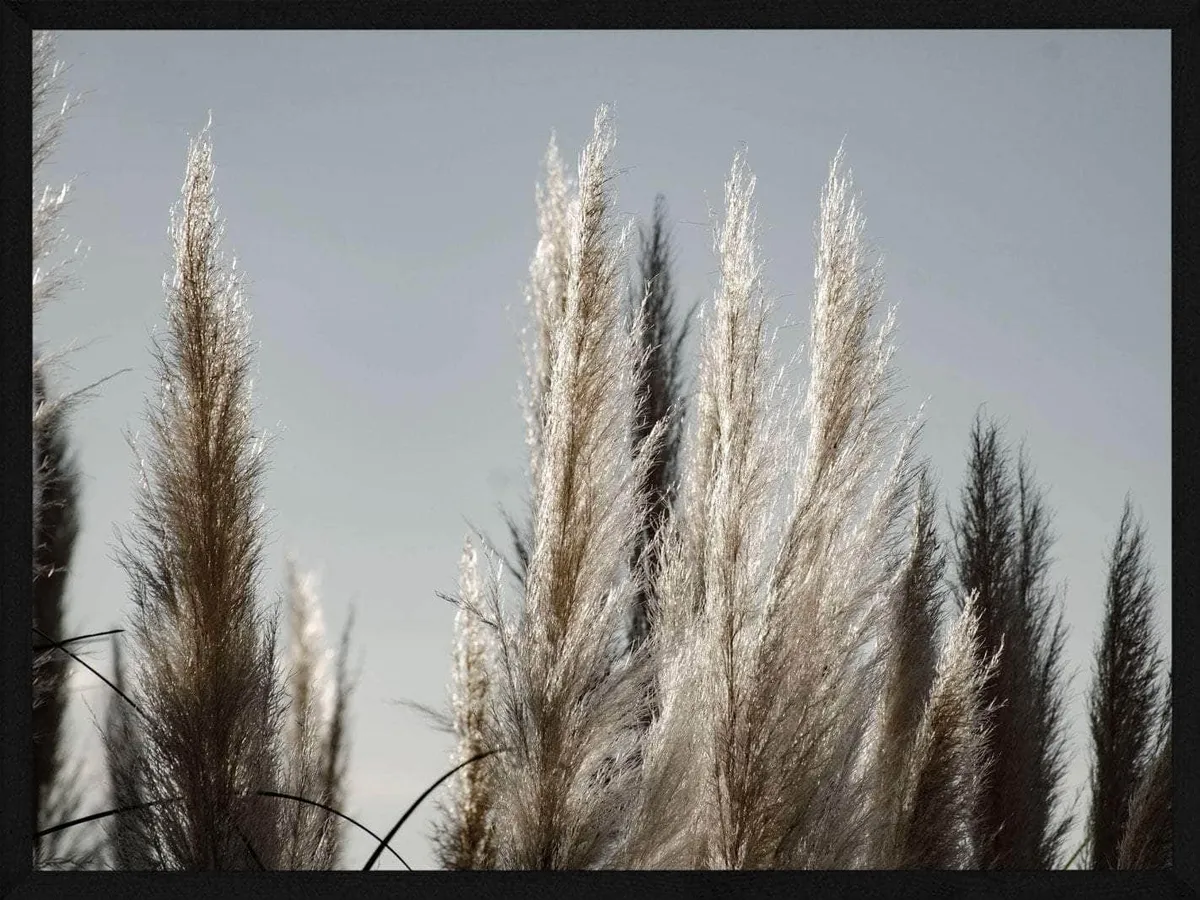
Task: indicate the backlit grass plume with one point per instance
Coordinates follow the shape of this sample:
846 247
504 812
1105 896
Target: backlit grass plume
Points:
565 705
545 302
712 574
838 559
549 273
465 838
315 747
49 119
942 783
764 616
205 674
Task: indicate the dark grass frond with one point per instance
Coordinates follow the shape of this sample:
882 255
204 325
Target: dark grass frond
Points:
1149 830
1124 700
1002 542
57 527
911 658
659 393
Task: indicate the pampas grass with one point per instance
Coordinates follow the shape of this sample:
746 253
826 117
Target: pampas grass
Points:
941 790
564 704
803 714
465 838
56 792
910 653
56 795
1002 544
660 392
128 848
838 559
219 728
1124 710
763 658
50 276
691 804
204 652
723 646
1147 839
314 752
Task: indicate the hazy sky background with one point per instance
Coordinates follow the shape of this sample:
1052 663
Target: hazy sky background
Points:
379 191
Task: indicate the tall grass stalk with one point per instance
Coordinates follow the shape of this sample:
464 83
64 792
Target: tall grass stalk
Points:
565 704
50 109
660 396
709 575
125 758
204 649
911 656
942 785
835 574
465 838
315 740
1123 705
1002 545
1149 830
56 789
545 301
763 656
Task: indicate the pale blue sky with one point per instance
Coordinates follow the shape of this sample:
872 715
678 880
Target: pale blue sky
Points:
379 193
